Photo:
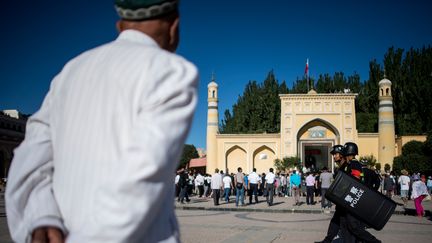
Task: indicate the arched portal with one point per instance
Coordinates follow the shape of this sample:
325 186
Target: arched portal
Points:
236 157
315 139
263 159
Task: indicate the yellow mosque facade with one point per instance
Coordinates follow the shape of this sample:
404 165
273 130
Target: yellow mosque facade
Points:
310 125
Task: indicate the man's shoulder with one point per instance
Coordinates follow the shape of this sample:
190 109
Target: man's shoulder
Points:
355 164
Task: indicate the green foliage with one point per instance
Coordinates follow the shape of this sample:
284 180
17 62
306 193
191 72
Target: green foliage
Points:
257 110
287 163
279 165
412 147
427 146
189 152
415 157
413 163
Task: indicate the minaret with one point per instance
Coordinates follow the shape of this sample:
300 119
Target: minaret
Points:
386 128
212 125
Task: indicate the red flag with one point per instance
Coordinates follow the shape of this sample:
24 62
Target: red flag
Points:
307 67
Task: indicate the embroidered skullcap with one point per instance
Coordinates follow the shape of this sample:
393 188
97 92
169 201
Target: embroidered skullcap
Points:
144 9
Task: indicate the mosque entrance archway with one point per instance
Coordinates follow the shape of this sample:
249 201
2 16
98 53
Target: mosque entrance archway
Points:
315 139
317 155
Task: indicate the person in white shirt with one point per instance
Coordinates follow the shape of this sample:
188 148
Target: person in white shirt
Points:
207 181
216 186
269 181
310 188
254 182
98 157
404 182
227 182
199 181
418 193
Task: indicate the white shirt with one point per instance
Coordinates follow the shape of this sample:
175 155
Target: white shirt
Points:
270 178
404 182
418 188
199 180
216 181
98 157
208 179
176 179
310 180
254 178
227 181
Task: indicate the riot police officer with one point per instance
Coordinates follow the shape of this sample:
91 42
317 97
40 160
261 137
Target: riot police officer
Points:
352 229
334 226
356 229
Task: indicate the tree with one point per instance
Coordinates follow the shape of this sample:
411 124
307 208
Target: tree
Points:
413 163
280 165
427 146
413 147
414 158
189 152
287 163
257 110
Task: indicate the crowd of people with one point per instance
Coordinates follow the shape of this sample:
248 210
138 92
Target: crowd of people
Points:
312 185
290 183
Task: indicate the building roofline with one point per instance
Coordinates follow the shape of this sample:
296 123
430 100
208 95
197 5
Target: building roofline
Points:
307 96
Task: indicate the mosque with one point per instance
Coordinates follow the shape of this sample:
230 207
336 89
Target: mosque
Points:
310 125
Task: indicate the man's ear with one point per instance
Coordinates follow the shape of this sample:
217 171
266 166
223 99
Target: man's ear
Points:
174 34
119 26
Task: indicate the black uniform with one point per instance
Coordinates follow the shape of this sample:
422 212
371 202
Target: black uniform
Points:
351 228
371 178
335 222
355 228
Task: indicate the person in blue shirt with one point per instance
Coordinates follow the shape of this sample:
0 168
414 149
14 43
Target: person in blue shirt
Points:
295 186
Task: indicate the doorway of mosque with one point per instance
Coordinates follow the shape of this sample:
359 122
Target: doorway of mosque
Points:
315 156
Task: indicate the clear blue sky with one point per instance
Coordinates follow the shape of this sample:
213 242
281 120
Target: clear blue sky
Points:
238 40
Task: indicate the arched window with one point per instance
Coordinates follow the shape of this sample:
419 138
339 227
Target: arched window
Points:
213 93
387 91
382 92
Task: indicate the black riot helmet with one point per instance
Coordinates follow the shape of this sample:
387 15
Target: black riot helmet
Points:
350 149
337 149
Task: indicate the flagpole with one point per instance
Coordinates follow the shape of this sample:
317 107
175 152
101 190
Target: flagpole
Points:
307 74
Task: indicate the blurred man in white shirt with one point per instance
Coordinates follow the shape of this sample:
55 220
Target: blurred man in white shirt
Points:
98 157
254 182
269 181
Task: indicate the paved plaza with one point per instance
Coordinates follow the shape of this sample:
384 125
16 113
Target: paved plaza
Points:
200 221
237 226
284 205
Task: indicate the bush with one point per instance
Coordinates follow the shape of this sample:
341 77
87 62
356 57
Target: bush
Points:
286 163
413 163
412 147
